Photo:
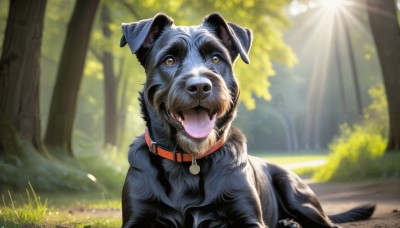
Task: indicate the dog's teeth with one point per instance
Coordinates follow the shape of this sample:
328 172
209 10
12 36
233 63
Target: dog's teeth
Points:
181 117
211 115
176 116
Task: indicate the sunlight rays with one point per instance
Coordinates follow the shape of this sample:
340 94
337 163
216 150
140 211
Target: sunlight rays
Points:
332 5
325 32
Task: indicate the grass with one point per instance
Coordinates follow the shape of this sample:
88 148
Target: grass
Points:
84 192
31 211
289 160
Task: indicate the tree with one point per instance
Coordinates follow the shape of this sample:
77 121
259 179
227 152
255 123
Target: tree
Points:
111 80
110 83
64 100
19 78
385 30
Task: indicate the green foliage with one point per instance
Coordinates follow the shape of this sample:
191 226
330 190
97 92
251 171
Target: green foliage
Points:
359 151
30 166
108 169
3 20
96 171
353 154
32 212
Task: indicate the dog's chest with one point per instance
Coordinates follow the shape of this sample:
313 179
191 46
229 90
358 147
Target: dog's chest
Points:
185 190
194 201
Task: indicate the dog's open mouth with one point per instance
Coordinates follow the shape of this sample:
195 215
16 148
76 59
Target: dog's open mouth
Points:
198 122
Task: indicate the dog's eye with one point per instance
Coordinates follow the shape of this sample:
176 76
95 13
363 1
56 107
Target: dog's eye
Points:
169 61
216 59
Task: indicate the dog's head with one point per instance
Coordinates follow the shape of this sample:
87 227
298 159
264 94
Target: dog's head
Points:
190 84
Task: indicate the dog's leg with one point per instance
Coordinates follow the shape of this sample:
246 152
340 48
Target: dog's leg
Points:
296 200
144 203
134 211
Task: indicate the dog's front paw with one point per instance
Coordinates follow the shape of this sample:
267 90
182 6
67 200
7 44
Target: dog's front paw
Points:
288 223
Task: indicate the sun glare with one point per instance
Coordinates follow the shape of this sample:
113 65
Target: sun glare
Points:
332 5
323 41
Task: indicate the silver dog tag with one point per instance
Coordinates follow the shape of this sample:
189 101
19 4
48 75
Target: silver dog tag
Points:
194 168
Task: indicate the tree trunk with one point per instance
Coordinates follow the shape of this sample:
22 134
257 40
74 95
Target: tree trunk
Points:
341 77
19 77
65 95
386 32
354 72
110 85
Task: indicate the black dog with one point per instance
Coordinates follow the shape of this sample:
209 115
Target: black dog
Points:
191 168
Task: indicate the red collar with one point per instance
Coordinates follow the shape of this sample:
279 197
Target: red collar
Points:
176 155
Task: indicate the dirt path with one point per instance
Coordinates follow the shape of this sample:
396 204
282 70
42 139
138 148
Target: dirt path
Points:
337 197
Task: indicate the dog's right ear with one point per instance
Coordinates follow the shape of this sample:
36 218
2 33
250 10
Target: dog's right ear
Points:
143 33
236 38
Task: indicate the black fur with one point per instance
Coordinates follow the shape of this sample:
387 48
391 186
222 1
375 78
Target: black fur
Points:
232 189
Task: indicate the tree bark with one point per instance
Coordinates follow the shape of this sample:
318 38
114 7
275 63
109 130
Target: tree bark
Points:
110 84
65 95
386 32
19 77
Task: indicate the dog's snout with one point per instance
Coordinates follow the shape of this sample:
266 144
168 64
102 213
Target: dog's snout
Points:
198 86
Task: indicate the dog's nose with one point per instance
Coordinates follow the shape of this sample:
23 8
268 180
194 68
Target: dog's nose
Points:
198 87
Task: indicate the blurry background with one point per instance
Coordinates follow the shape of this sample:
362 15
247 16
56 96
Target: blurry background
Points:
314 87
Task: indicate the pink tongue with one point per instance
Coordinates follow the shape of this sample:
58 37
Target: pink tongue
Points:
197 123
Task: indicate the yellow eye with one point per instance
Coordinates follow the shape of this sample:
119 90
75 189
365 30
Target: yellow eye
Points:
169 61
216 59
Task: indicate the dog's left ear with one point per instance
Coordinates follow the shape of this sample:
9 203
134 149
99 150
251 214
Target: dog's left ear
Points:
236 38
